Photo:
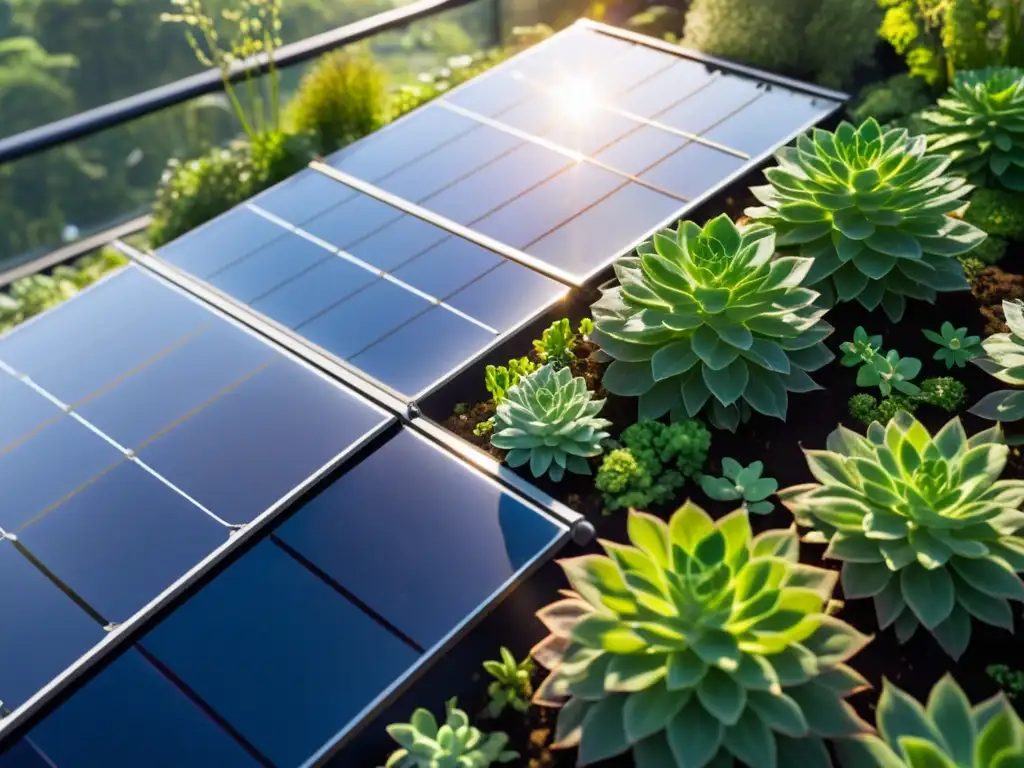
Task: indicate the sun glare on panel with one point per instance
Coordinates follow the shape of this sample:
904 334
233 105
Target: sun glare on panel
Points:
576 99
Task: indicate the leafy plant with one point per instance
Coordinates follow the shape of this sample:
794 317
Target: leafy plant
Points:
499 379
1004 359
1010 680
743 483
343 98
866 408
897 97
944 392
456 743
193 192
922 524
250 30
697 644
955 346
549 420
980 125
948 733
870 207
824 40
512 686
654 464
890 372
861 350
586 327
705 320
484 427
556 344
998 212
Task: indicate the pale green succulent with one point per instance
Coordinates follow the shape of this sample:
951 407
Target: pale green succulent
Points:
456 744
923 525
707 319
698 646
1004 359
870 207
980 125
741 483
549 420
947 733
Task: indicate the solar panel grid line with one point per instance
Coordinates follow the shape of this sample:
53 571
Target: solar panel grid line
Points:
124 631
658 44
77 599
129 454
607 106
336 743
383 274
203 706
328 365
466 233
578 157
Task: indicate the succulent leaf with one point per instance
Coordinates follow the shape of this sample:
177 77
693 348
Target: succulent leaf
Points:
550 421
455 743
1004 359
871 209
704 320
947 733
699 643
980 125
922 524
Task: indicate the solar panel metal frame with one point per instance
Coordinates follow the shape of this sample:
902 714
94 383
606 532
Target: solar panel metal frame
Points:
352 374
125 631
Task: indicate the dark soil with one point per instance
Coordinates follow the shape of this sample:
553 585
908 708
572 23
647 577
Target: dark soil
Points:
916 666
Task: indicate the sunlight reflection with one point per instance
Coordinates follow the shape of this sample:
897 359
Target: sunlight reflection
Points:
576 99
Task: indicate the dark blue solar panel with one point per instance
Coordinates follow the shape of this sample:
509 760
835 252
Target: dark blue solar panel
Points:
271 266
44 631
709 106
351 221
448 266
639 150
282 656
223 427
122 540
399 144
669 86
303 196
693 170
527 293
760 125
307 295
131 715
452 538
397 243
220 242
581 245
23 755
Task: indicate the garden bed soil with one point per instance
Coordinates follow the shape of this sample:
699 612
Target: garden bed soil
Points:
915 666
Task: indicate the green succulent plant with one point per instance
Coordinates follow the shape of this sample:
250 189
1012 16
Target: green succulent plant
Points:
456 744
861 350
549 419
706 320
698 644
743 483
956 347
980 124
947 733
586 327
511 686
1004 359
922 524
870 207
556 344
889 373
943 392
499 379
866 409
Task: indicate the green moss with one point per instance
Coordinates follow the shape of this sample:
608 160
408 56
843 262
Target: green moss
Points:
998 212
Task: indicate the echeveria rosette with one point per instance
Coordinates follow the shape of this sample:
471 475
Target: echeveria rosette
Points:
922 524
549 419
871 208
699 645
946 733
707 320
1004 359
455 743
980 125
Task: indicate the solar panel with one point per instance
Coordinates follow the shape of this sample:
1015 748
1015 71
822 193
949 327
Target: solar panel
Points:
139 431
453 226
401 299
287 649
